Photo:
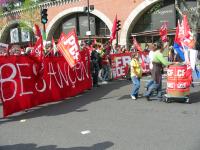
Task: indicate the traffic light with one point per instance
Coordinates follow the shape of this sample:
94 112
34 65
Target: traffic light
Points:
118 25
44 16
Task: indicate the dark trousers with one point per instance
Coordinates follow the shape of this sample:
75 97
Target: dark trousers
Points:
95 78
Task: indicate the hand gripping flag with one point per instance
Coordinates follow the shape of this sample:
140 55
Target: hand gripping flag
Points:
69 47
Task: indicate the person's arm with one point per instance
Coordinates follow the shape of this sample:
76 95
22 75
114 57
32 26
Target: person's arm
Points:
161 58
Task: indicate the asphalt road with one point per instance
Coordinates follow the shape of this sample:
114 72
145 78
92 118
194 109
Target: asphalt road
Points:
105 118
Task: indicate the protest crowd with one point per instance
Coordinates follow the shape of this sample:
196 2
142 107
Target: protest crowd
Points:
105 58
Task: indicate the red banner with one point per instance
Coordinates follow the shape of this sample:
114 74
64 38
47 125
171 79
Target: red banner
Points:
68 46
21 89
120 64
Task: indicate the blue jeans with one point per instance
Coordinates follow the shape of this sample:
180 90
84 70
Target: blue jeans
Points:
154 87
136 86
105 72
149 83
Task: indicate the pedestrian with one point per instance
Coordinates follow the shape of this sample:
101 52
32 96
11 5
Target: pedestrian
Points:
105 67
136 74
158 62
152 49
95 65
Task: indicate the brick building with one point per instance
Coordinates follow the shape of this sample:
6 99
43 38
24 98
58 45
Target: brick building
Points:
141 18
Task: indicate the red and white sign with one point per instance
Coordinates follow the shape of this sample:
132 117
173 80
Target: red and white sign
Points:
178 77
69 47
120 64
21 89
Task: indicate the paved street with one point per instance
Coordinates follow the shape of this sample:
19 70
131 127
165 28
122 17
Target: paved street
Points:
105 118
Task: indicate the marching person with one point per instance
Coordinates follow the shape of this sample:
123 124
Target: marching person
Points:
95 65
152 49
158 62
136 74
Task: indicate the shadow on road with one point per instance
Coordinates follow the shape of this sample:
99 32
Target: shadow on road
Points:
98 146
195 97
68 105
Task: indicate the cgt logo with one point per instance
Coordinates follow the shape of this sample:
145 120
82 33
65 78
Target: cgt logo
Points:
181 85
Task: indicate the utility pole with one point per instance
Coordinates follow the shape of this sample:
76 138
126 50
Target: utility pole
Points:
88 15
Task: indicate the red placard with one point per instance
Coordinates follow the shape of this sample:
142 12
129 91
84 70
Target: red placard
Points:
22 89
68 46
120 64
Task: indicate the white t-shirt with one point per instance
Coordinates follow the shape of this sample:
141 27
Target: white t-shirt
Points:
151 55
193 58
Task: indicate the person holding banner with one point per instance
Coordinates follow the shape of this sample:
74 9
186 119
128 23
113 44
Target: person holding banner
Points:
136 74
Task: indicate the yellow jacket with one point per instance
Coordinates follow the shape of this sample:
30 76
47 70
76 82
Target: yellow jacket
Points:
135 68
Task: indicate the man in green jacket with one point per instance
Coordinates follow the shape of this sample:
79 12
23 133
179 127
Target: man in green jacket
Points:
158 62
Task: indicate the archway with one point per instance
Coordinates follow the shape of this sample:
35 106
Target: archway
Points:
5 33
132 18
54 23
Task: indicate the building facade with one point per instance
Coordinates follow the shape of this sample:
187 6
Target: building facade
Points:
140 18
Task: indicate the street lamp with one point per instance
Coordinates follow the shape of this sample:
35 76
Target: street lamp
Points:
88 14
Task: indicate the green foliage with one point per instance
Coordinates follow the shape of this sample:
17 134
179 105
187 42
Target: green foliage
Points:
22 24
1 11
27 4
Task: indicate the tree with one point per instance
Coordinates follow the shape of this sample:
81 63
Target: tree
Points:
193 16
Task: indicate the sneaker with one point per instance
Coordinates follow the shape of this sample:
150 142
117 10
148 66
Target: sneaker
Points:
133 97
104 82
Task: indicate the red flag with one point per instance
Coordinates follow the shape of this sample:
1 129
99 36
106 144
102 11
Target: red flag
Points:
186 26
69 47
37 31
114 30
38 49
177 35
38 54
163 32
136 45
188 39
